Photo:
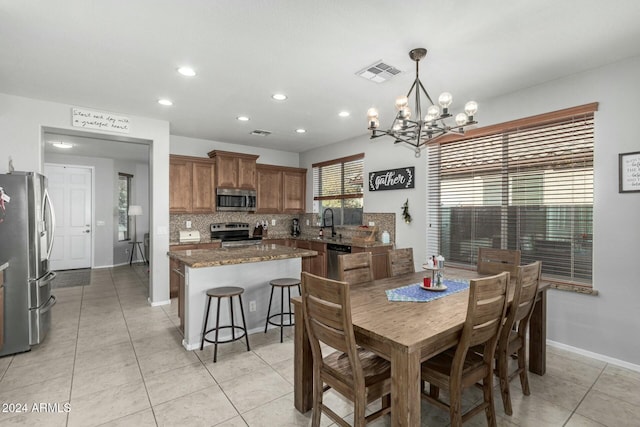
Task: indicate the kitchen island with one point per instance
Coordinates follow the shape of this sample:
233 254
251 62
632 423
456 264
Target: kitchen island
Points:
249 267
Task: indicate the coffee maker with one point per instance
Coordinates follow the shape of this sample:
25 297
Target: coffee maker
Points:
295 227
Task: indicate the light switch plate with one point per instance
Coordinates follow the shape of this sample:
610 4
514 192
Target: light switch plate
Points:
273 222
371 223
188 224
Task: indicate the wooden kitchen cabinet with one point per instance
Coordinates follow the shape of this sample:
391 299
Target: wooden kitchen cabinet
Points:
280 189
378 257
179 184
174 278
234 170
269 189
191 185
317 264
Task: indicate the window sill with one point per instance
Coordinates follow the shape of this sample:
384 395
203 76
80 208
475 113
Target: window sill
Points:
569 287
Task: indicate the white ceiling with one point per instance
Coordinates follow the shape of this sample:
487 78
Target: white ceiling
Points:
121 56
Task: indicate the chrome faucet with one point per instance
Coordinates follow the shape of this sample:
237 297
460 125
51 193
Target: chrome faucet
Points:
324 221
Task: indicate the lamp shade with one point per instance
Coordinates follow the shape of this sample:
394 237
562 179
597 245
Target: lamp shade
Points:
135 210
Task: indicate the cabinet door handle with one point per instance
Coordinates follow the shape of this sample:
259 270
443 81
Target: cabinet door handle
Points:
178 272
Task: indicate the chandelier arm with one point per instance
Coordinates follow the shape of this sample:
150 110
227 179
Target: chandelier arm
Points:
425 92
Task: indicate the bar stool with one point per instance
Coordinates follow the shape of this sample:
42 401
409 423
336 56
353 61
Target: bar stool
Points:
282 284
219 293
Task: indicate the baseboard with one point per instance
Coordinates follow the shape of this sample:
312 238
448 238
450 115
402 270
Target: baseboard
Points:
597 356
158 303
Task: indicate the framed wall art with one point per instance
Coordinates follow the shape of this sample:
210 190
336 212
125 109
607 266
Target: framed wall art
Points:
629 172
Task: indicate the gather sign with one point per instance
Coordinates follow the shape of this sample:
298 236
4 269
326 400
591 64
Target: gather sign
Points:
392 179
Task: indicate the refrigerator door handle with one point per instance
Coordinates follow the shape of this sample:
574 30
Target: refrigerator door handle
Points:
47 198
48 305
47 279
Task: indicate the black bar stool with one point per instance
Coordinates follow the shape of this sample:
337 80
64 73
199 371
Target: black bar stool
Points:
287 283
219 293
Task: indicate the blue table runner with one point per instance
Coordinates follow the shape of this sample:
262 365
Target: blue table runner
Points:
415 293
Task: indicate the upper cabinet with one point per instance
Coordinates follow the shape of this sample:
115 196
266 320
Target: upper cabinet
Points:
191 185
234 170
280 189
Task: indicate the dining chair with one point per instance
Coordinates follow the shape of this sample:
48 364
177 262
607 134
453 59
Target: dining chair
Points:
400 261
514 331
494 261
459 368
355 268
355 373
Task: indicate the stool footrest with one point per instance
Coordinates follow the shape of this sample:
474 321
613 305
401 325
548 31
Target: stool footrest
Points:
238 328
279 315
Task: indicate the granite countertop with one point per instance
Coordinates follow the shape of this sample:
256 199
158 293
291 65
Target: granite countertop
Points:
343 241
203 240
199 258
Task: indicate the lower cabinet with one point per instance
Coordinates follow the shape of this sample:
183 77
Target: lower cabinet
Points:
174 278
379 259
317 264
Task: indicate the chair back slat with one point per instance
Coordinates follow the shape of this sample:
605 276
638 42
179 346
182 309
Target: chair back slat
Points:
494 261
527 283
355 268
326 308
400 261
485 313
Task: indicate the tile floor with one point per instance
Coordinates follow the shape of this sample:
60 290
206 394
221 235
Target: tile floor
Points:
116 361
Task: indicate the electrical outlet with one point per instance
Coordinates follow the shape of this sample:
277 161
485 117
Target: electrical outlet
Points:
273 222
188 224
252 306
307 222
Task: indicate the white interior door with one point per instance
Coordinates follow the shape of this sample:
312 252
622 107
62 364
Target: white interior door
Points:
70 190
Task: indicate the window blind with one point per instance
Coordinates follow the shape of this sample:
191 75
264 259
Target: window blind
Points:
339 178
526 187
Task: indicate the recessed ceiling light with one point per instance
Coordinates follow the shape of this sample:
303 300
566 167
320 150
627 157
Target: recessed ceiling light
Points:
344 114
301 130
60 144
279 96
165 102
187 71
242 118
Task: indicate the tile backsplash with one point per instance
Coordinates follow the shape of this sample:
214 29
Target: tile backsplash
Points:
201 222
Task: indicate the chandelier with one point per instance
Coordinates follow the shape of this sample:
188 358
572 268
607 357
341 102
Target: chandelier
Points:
420 131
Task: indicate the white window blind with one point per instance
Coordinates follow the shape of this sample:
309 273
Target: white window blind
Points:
338 185
528 188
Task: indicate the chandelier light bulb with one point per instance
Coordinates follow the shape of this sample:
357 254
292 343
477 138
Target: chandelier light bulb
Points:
471 108
461 119
445 99
401 102
397 125
433 111
372 113
406 113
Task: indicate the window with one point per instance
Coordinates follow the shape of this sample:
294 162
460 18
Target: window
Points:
337 184
124 197
524 185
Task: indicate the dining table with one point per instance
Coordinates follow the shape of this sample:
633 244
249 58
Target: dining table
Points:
406 334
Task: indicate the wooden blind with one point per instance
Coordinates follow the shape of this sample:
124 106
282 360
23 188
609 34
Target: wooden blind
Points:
339 178
526 187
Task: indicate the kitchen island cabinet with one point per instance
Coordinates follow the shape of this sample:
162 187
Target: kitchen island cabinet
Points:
318 264
174 276
250 267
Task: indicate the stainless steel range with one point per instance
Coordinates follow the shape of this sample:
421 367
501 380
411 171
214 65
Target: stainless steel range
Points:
234 234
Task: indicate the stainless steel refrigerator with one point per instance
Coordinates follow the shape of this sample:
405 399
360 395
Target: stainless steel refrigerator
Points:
27 224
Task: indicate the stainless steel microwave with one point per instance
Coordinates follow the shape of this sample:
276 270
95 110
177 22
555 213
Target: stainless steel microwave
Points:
235 200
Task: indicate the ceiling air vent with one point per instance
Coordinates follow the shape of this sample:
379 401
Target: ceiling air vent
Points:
260 132
378 72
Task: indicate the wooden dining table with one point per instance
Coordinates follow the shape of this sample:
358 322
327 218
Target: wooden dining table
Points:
406 334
